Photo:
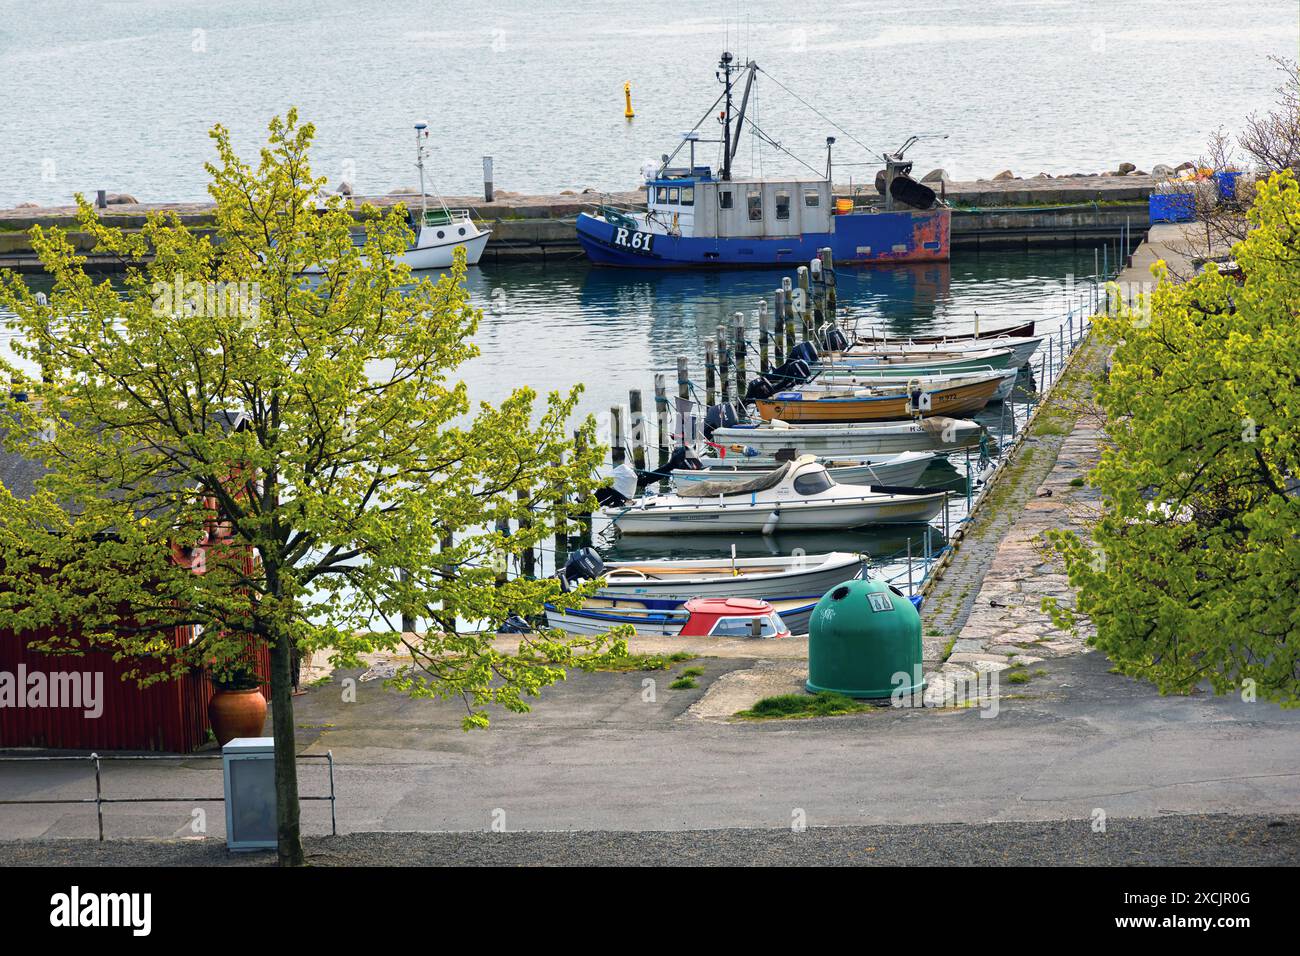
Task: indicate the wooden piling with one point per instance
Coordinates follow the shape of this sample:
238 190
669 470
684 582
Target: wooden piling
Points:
527 557
805 294
787 287
637 421
560 500
584 519
738 325
764 344
661 417
778 318
828 276
683 397
710 374
617 448
723 352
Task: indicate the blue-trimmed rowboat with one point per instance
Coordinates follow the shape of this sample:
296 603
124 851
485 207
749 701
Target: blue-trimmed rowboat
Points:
696 219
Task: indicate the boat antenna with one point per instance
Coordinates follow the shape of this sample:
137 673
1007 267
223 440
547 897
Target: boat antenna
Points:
725 67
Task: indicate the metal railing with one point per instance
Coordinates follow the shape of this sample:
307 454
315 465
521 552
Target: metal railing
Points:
99 799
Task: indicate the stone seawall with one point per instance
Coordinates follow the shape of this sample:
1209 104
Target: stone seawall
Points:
986 214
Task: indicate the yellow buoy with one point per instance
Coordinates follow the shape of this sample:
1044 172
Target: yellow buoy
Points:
627 99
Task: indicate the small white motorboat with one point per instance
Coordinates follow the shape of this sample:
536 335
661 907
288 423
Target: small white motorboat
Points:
799 496
849 439
905 468
1021 346
773 578
440 231
895 378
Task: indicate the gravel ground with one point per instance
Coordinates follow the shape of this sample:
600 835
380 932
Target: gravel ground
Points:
1196 840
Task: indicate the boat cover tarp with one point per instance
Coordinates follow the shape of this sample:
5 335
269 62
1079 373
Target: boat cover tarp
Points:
711 489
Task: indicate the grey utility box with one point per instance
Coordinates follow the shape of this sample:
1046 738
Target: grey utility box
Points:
248 765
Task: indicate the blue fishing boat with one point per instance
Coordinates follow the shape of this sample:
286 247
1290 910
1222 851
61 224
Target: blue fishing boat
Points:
694 218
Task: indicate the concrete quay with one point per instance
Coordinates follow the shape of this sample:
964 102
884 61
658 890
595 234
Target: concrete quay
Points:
986 214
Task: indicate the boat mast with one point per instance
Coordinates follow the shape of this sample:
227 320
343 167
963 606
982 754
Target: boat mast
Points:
421 130
725 65
751 67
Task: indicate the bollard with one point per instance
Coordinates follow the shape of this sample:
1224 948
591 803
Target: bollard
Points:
101 199
488 192
828 279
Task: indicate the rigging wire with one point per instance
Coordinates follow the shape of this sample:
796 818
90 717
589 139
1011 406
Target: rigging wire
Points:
817 111
757 131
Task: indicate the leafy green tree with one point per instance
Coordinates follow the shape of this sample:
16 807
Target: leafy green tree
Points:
315 421
1193 571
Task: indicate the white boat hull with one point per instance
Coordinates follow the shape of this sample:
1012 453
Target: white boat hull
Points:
903 469
769 579
847 441
437 254
709 516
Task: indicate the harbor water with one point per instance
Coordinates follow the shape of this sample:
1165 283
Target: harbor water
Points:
120 96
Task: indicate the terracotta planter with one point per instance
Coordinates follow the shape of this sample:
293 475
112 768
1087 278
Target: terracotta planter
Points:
237 713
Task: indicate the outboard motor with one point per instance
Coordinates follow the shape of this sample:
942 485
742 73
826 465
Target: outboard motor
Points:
793 372
761 388
514 624
804 351
683 459
723 415
622 491
836 340
583 565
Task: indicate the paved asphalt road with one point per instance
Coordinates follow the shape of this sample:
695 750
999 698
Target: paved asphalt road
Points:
595 756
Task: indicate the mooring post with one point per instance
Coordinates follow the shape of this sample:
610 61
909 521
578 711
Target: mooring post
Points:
527 557
617 447
909 565
661 418
636 418
764 345
778 318
683 397
968 484
787 288
828 278
723 381
710 375
738 324
805 296
558 498
584 519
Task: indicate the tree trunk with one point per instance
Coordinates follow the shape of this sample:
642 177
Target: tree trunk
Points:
288 834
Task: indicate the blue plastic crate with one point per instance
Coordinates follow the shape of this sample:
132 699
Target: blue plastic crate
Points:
1171 207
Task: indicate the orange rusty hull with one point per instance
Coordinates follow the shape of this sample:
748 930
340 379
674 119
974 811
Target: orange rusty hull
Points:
955 400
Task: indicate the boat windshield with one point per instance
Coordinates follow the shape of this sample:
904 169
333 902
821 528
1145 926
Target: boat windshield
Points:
813 482
769 625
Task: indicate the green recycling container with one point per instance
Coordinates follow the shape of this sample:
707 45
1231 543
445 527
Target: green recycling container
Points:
864 640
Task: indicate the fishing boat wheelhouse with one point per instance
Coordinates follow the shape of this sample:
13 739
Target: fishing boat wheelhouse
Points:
694 217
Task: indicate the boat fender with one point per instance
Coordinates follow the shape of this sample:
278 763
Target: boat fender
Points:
625 481
769 526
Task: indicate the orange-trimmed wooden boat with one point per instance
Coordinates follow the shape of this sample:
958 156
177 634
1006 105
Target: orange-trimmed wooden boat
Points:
887 403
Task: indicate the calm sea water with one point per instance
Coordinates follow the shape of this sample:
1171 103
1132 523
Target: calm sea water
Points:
551 326
119 95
